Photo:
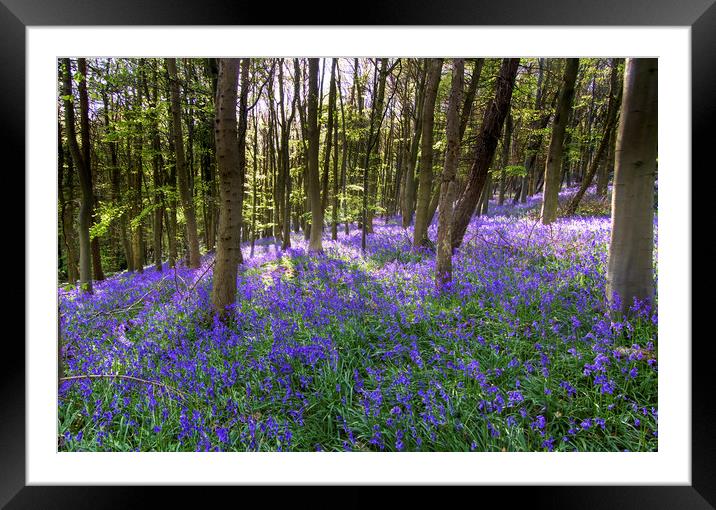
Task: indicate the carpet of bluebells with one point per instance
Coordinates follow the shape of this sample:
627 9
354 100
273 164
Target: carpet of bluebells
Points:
353 352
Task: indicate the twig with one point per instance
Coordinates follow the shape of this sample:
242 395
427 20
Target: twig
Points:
129 377
176 282
193 285
131 305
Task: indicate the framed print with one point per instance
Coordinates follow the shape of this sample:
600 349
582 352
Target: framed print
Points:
40 34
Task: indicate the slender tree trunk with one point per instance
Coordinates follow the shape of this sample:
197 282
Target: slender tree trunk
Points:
376 118
534 139
285 159
181 170
329 136
66 197
612 108
443 265
485 148
312 178
553 167
420 232
85 136
336 183
630 267
409 206
171 210
470 95
505 159
85 178
607 167
157 164
253 183
228 250
136 182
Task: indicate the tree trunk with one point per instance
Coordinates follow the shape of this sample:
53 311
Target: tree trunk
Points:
285 135
157 164
443 265
607 167
336 183
329 137
470 95
412 156
136 182
85 178
420 232
376 118
505 159
612 108
181 170
553 166
66 208
312 178
485 148
630 268
228 250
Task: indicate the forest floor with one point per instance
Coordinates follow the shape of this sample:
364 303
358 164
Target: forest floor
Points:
347 351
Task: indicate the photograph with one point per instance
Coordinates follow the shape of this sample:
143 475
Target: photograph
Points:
357 254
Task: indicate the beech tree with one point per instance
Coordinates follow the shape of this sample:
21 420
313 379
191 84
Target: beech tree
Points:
443 265
426 151
615 94
312 177
181 170
230 170
485 146
81 161
553 168
630 267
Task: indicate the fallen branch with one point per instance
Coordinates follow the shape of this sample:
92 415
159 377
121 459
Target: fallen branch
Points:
131 305
193 285
128 377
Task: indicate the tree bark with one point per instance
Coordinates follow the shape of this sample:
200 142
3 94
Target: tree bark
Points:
376 119
312 182
470 95
66 208
85 178
426 153
329 135
553 167
228 250
181 170
506 140
485 148
412 148
630 267
443 265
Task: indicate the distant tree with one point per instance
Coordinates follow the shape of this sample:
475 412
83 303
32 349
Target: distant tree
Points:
615 94
66 196
329 134
553 167
376 119
413 146
425 170
485 146
79 156
181 170
630 267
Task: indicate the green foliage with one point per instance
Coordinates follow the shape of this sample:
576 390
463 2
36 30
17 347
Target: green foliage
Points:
105 215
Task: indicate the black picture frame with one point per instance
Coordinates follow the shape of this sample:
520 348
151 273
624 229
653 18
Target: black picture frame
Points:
700 15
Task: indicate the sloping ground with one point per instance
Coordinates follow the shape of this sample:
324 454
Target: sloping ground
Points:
345 352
